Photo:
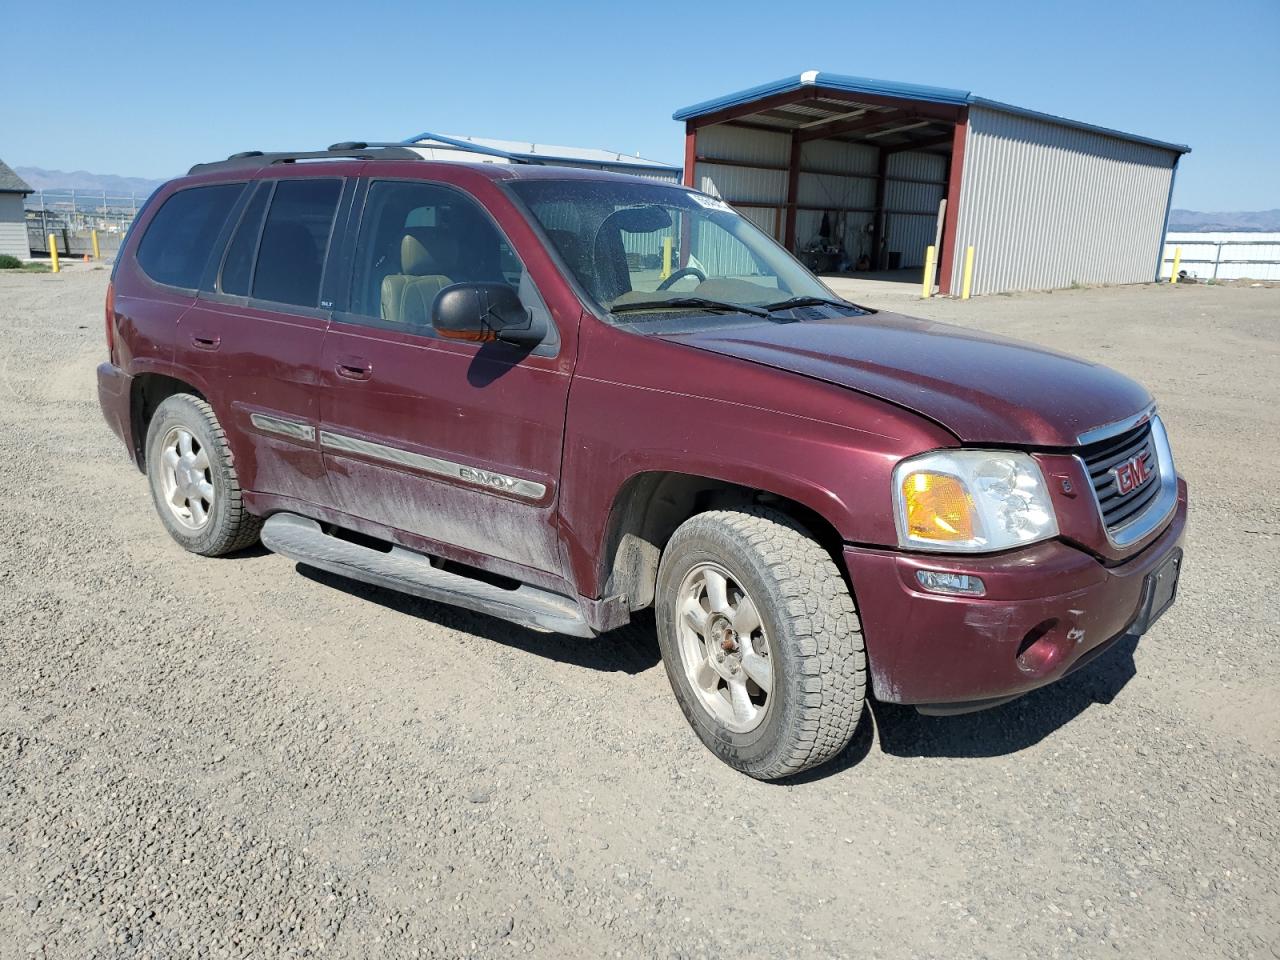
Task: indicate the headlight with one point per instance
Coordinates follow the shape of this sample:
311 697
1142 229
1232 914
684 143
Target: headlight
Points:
971 501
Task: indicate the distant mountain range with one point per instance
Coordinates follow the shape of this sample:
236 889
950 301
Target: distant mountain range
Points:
1256 221
41 179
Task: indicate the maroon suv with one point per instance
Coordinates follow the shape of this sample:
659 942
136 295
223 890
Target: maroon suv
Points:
560 397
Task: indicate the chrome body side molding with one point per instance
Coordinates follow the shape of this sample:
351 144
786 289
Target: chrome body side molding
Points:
473 476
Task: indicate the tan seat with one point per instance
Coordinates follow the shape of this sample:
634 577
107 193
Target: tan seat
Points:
424 256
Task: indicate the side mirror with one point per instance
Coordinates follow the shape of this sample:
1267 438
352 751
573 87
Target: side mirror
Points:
483 313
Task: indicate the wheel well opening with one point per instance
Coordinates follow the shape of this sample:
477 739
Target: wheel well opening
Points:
148 392
651 506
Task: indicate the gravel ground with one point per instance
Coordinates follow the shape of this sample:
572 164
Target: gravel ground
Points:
235 757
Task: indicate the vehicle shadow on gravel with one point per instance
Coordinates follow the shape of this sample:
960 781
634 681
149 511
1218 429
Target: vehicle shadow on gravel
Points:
1012 727
903 732
632 649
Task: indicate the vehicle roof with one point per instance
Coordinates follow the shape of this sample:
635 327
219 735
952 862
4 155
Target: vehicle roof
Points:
412 169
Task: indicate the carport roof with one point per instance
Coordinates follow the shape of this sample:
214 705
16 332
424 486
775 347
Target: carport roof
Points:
835 106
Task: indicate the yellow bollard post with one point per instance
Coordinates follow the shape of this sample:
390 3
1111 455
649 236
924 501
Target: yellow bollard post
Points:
926 284
666 258
967 284
1177 262
97 254
53 252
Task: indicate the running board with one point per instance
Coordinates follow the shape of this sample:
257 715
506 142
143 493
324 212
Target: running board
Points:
302 539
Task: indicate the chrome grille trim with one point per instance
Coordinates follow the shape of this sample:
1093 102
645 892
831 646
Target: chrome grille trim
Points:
1115 428
1131 518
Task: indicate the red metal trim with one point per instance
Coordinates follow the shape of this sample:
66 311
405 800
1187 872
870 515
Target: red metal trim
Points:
690 180
690 155
953 206
793 193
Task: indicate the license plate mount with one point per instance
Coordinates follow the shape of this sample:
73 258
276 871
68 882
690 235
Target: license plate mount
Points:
1159 590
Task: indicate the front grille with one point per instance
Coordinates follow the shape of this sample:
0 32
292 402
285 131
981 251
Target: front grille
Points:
1102 457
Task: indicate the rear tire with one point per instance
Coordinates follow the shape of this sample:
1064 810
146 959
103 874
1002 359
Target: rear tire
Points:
193 479
770 668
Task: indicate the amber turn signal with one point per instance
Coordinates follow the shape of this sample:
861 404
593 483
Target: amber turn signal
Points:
938 507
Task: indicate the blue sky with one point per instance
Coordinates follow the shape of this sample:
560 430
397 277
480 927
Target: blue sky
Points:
147 89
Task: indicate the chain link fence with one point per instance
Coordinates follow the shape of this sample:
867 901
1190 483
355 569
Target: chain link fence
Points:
72 216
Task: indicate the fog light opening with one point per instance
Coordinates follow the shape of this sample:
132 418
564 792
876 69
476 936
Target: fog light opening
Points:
1039 649
956 584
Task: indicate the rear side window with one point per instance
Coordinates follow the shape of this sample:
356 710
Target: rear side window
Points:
238 267
294 241
180 238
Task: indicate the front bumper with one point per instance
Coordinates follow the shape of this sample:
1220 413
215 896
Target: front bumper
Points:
115 389
1047 610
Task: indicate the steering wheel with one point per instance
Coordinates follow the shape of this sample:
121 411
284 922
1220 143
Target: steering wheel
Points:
681 274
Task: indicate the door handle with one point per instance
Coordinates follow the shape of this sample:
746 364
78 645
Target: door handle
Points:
206 341
353 368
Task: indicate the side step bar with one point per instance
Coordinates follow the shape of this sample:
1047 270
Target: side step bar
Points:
303 540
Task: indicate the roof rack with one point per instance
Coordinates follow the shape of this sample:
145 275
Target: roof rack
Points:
470 147
349 150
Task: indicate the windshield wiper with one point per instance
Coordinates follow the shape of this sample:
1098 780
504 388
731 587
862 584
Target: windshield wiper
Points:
700 302
808 302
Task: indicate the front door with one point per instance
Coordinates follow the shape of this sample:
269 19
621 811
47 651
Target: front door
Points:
257 332
457 443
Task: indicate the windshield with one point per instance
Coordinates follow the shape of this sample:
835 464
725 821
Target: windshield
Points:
642 249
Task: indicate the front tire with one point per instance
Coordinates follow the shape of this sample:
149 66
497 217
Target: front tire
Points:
193 479
761 641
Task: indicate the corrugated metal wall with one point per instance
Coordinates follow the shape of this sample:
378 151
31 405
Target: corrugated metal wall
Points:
913 221
841 182
1046 205
739 183
843 176
742 184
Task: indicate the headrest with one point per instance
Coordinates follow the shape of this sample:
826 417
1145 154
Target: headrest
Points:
647 219
425 252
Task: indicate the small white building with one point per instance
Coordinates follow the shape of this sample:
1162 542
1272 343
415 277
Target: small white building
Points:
13 215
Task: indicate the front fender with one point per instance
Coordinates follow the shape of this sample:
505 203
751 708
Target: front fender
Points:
640 405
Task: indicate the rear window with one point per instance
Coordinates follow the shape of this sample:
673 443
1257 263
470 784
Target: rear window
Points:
294 241
180 238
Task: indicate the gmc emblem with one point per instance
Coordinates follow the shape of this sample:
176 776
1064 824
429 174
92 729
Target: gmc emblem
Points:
1131 474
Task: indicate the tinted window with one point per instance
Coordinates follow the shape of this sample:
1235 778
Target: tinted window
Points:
238 267
418 238
180 237
295 240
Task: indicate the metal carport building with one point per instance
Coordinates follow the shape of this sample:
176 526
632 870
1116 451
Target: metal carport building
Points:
1045 201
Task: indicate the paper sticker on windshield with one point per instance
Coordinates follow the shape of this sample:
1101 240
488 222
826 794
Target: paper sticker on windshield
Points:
711 203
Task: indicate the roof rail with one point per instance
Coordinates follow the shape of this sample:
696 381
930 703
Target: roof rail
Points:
470 147
351 150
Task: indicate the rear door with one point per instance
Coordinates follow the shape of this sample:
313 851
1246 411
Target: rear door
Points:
458 443
257 330
156 283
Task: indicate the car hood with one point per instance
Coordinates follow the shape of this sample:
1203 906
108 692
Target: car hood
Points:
982 388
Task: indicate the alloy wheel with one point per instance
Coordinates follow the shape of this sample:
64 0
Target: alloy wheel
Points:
186 478
723 647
